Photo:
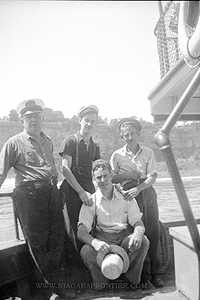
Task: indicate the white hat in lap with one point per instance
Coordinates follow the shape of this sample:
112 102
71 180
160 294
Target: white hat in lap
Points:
113 263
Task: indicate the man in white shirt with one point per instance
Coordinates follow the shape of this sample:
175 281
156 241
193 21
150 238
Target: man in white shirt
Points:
118 222
134 167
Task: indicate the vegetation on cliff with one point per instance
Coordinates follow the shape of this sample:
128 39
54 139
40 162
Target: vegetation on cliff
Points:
184 139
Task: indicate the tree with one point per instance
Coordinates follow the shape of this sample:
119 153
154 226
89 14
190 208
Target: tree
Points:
55 116
13 116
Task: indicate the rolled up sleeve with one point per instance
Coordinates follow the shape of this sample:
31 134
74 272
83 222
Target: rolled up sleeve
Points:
151 167
86 217
134 213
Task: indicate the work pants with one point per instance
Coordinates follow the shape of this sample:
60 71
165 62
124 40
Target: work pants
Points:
147 202
39 210
136 257
74 203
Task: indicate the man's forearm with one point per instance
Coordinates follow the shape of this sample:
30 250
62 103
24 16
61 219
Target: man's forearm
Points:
139 228
72 180
147 183
118 178
84 236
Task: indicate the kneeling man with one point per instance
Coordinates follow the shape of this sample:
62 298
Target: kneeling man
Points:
111 221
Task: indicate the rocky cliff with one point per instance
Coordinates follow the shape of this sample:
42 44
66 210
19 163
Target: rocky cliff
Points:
185 140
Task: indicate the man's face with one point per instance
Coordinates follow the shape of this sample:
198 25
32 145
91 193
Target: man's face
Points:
131 136
88 122
103 179
32 122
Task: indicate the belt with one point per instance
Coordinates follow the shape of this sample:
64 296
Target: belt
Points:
38 184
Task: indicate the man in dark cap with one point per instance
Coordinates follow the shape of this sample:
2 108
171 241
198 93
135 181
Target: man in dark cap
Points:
78 151
134 167
36 198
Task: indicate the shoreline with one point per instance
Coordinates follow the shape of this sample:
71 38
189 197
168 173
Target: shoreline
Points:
9 182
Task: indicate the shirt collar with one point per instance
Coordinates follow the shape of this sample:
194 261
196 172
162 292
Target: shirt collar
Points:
124 149
116 194
80 137
28 136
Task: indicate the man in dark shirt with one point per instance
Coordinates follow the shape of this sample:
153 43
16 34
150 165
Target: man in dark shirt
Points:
77 167
36 198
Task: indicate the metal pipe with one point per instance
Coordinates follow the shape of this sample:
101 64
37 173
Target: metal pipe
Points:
163 142
185 98
14 213
182 196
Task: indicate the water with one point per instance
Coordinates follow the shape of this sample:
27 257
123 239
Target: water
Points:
169 207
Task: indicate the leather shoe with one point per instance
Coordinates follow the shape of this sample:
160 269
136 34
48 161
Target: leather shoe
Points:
157 281
66 294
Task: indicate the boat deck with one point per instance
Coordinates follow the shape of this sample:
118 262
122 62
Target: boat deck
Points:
169 291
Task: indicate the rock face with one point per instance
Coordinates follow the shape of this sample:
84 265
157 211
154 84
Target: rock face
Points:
185 140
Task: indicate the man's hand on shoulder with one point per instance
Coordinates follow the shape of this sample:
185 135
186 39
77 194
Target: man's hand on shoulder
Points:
86 198
132 193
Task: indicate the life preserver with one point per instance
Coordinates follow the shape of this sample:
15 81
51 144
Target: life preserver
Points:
189 39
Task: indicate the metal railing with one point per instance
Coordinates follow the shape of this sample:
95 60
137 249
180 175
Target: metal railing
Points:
14 214
163 142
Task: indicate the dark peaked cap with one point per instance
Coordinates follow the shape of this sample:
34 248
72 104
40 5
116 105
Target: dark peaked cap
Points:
132 121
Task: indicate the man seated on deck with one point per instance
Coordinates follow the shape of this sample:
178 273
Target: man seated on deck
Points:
36 198
117 222
134 168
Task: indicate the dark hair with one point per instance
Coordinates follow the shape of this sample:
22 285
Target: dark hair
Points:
101 163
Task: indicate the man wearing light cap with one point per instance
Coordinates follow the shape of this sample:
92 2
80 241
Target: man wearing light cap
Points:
111 226
36 198
78 152
134 167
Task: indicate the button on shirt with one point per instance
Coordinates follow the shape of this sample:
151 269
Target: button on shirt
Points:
143 161
30 160
86 154
112 215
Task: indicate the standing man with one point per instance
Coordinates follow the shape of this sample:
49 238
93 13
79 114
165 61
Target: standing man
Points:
78 152
35 197
134 167
117 222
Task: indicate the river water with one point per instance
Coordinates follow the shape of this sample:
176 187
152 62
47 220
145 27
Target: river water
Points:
168 203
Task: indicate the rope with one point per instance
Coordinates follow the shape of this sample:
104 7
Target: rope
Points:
165 250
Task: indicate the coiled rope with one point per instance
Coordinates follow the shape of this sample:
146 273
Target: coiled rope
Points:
165 249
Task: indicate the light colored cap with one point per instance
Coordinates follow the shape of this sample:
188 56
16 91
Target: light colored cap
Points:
87 109
30 106
113 263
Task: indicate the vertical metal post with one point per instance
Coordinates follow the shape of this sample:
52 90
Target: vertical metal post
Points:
162 140
14 213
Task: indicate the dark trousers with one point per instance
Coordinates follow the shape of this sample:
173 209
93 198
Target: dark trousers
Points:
39 211
147 202
74 203
136 257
